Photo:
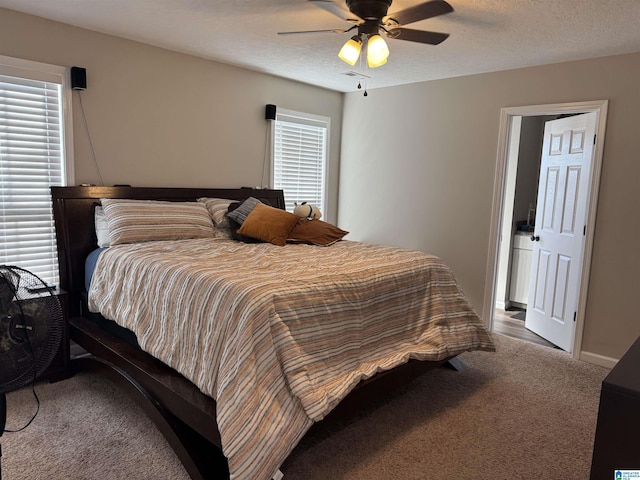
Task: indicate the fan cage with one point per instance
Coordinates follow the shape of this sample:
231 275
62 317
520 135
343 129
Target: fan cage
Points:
31 323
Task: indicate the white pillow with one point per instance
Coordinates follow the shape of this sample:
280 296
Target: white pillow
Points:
102 227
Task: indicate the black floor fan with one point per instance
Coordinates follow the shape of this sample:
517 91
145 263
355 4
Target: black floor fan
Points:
30 332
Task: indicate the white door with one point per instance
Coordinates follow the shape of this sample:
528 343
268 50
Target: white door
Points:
558 241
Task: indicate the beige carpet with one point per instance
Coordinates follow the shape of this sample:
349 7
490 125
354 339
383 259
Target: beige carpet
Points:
525 412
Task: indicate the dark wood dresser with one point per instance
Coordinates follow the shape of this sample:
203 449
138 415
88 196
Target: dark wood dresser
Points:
617 445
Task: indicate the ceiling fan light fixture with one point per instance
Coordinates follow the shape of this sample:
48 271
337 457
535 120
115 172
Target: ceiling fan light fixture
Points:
350 51
377 51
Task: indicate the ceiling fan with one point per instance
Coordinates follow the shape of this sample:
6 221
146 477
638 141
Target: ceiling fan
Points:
371 18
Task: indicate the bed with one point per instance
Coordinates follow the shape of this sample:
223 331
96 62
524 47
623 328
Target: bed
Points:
281 336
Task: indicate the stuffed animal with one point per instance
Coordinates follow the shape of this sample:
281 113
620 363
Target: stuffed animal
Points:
306 210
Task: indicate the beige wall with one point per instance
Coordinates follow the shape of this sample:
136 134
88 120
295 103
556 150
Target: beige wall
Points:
418 165
160 118
418 161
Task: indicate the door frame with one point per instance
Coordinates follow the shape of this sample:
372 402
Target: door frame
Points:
499 191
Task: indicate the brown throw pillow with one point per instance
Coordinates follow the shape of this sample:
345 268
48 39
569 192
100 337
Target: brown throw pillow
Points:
315 232
268 224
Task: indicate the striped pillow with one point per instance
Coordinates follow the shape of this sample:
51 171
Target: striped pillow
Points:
133 221
217 208
241 213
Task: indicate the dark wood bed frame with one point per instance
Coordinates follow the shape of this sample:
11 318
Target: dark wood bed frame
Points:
184 415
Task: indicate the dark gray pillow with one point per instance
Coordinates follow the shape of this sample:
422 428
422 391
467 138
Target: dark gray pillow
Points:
235 226
240 214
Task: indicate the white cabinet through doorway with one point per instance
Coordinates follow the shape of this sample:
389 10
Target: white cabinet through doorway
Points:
520 269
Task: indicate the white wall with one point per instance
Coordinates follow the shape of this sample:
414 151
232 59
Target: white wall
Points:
422 159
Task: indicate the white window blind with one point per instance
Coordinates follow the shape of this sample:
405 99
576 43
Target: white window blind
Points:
32 158
300 158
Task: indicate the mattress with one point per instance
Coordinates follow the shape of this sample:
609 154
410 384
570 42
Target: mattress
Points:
279 335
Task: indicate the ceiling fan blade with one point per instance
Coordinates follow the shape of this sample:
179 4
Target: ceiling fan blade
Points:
423 11
419 36
340 10
331 30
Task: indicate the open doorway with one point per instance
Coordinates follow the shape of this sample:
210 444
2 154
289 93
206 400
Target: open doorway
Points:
518 223
515 194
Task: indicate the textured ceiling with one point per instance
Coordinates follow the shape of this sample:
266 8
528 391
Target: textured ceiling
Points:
486 35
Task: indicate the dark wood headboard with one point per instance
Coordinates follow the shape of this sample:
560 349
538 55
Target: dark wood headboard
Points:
73 213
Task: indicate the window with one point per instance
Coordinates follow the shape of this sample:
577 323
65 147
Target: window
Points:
300 146
34 133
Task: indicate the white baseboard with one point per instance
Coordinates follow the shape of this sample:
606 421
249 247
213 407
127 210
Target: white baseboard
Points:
597 359
501 305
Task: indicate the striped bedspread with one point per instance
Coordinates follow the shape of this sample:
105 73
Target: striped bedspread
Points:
279 335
